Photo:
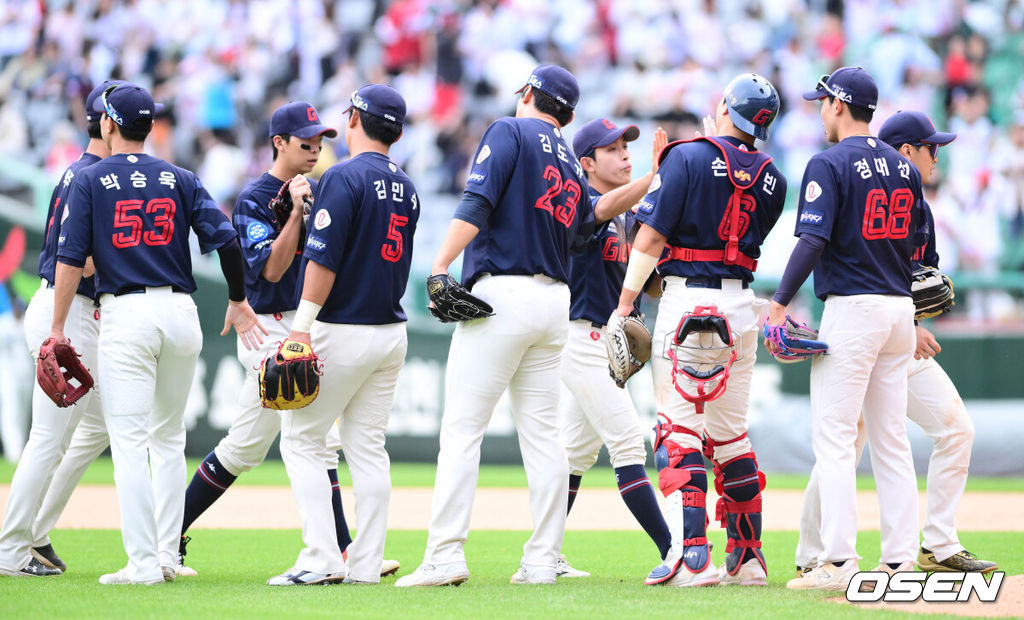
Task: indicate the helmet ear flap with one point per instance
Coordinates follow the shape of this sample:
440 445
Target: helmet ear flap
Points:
753 103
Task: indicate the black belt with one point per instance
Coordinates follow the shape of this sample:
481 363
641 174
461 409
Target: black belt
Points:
131 290
709 282
597 325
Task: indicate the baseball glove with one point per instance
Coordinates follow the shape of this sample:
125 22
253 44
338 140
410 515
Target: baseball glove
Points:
933 292
452 302
281 205
796 342
290 379
628 342
56 366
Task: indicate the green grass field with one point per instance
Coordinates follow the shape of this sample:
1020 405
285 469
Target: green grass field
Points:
233 566
509 476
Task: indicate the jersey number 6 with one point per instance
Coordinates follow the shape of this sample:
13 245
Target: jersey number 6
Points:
563 213
163 223
891 224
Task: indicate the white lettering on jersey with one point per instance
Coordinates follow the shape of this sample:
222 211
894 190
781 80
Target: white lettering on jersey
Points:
167 178
397 192
323 219
110 181
904 167
138 179
882 166
382 189
414 201
812 192
561 152
545 142
863 168
718 167
768 186
67 177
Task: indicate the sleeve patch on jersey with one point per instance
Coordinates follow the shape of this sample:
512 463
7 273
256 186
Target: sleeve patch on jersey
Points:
316 243
813 191
645 205
477 177
323 219
655 184
484 153
811 217
65 212
257 231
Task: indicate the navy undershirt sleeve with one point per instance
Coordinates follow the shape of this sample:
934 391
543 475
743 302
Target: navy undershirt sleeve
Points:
231 264
801 263
473 208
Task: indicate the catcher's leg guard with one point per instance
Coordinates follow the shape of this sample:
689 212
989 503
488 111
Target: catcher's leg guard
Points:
740 483
684 481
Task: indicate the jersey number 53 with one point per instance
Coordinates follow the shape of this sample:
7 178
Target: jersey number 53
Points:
162 210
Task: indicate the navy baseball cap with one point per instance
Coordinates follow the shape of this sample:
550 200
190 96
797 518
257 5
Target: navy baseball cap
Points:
91 113
601 132
911 127
299 119
380 100
125 103
555 82
850 84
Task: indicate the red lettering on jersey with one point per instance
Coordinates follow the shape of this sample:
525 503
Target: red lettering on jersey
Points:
761 117
49 224
565 212
747 206
615 250
393 253
887 216
311 115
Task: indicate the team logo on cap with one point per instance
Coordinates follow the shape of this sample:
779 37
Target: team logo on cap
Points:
813 191
536 82
323 219
359 102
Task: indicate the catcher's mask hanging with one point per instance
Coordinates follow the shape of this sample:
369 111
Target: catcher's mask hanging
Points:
698 363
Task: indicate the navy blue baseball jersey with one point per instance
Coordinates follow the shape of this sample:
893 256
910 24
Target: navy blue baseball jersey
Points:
865 199
362 228
596 274
925 253
688 200
255 224
55 221
132 213
535 186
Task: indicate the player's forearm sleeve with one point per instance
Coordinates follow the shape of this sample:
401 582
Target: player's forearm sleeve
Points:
231 264
473 208
801 263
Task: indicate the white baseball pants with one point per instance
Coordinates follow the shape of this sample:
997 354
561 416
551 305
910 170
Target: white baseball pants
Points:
52 426
871 343
935 405
597 412
148 347
519 348
361 366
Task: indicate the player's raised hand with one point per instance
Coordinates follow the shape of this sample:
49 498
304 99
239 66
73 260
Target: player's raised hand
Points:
710 127
660 142
240 316
299 189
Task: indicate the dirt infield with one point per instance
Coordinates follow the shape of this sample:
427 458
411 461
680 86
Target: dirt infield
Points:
252 507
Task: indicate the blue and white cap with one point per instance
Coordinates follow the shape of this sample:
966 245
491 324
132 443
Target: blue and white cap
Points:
853 85
555 82
380 100
126 104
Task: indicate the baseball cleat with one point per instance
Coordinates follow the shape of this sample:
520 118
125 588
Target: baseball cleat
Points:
169 573
750 573
905 567
668 567
426 575
828 576
35 568
802 570
533 574
180 570
48 557
563 569
297 577
120 578
964 561
389 567
686 579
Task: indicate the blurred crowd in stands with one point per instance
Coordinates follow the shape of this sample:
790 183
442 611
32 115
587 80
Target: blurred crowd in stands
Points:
221 67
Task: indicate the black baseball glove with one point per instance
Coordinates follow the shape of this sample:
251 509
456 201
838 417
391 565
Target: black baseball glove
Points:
450 301
933 292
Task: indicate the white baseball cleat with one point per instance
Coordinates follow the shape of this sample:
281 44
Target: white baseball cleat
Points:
120 578
563 569
906 567
684 578
750 573
426 575
533 574
389 567
828 576
298 577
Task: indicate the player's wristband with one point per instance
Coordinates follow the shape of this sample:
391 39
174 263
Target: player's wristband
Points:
639 269
305 314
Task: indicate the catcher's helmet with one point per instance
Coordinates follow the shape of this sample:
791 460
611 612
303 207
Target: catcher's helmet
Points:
753 104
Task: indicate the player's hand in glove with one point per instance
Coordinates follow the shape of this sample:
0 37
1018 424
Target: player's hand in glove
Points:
241 316
792 342
56 366
450 301
628 342
932 291
290 379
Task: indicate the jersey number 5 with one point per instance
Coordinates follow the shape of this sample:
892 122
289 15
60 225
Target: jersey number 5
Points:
163 223
565 212
391 250
893 223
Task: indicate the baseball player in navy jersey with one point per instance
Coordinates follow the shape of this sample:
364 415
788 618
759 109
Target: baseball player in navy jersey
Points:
354 271
22 553
933 401
860 209
131 212
272 254
713 202
597 411
524 206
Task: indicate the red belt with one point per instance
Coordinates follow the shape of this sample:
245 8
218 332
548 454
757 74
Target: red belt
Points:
691 255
